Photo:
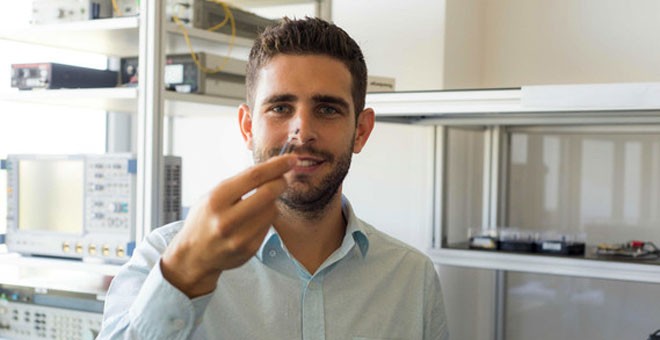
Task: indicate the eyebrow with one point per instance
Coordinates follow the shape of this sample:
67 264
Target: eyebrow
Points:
319 98
331 100
278 98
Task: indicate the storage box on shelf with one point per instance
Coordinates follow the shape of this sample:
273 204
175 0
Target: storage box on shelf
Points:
491 172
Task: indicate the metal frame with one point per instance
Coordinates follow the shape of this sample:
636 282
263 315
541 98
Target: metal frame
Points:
149 120
439 237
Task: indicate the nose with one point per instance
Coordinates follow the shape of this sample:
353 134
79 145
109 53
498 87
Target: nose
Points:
304 123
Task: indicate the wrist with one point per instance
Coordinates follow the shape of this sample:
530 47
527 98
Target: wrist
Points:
189 282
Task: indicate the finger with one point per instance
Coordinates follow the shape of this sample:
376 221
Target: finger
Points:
233 189
263 197
259 208
251 235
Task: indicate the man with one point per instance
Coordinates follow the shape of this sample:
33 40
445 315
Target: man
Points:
276 252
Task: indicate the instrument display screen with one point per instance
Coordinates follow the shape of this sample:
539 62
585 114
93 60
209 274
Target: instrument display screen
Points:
51 195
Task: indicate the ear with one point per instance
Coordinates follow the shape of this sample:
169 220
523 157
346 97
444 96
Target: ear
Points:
245 121
365 124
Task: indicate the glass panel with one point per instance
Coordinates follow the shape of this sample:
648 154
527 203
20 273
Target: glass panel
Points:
607 185
604 184
464 186
547 307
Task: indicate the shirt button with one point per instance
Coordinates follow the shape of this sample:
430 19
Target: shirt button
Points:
178 324
272 253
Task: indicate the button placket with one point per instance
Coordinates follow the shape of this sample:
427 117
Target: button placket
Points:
313 310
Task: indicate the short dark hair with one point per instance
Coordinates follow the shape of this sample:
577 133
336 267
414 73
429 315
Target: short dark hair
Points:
308 36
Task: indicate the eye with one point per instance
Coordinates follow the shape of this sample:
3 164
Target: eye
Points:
328 110
280 109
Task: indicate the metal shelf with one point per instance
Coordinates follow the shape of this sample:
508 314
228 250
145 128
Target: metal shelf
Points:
196 33
542 104
553 265
118 99
188 104
112 37
115 99
62 274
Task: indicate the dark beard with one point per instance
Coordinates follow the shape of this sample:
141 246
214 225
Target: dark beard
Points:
311 203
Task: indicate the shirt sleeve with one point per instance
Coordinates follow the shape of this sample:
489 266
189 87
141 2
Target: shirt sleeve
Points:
142 304
435 319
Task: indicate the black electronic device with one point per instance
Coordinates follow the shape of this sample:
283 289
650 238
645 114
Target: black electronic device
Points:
553 242
528 241
59 76
514 239
561 247
182 74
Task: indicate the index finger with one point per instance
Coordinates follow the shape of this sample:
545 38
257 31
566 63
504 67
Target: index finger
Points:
233 189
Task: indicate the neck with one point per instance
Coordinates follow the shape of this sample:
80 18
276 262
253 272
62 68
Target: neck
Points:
312 240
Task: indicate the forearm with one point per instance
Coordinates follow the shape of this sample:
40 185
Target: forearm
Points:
159 311
141 304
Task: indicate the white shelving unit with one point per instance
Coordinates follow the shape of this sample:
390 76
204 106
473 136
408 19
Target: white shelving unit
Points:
47 273
610 107
109 99
150 38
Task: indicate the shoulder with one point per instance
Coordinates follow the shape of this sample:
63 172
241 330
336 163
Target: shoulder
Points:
382 244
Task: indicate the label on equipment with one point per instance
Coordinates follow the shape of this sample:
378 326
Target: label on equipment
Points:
174 74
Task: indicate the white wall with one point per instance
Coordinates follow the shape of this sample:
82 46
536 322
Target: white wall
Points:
463 50
400 39
525 42
390 183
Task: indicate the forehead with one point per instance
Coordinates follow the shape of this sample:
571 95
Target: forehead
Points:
304 76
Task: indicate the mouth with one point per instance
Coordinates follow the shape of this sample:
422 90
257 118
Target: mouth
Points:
308 164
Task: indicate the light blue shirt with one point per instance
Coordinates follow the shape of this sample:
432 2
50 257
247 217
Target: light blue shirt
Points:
372 287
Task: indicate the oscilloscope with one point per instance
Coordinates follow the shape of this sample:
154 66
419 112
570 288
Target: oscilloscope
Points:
80 206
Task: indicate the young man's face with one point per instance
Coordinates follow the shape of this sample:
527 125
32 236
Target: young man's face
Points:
311 94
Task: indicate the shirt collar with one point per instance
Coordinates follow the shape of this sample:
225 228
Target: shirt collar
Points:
354 227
